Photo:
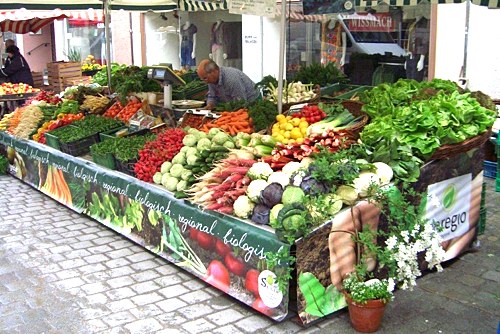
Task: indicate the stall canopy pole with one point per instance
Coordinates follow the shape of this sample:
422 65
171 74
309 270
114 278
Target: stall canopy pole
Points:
107 20
466 39
282 55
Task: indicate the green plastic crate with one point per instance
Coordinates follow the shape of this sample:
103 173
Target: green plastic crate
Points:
52 141
105 160
110 134
328 92
497 185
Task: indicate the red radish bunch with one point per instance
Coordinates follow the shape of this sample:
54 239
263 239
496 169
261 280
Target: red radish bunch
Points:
218 276
156 152
235 264
312 114
219 188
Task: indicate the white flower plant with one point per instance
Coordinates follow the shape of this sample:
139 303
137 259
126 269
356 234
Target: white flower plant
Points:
406 240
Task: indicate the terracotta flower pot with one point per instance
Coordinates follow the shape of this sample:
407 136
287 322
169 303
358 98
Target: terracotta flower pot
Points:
366 318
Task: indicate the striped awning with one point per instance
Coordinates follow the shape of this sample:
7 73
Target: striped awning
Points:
23 21
200 5
296 14
85 17
374 3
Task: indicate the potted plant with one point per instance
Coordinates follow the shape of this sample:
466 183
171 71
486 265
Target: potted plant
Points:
390 255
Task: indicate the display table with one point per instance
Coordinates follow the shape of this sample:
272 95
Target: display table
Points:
224 251
12 98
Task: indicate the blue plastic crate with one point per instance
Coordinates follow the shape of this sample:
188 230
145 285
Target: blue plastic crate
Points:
490 169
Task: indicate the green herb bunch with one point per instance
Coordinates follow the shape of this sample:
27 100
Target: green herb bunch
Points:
4 164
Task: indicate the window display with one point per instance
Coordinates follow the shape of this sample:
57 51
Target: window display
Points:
188 45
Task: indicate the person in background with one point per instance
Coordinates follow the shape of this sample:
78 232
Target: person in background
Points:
16 68
225 83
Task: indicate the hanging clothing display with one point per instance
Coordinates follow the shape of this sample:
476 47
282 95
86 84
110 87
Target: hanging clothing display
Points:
217 43
331 43
187 45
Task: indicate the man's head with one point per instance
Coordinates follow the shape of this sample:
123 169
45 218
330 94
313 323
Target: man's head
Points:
9 42
208 71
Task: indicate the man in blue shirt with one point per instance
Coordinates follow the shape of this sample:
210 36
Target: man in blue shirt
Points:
225 83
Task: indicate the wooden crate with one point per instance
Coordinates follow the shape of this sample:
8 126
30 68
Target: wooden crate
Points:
64 69
68 82
37 79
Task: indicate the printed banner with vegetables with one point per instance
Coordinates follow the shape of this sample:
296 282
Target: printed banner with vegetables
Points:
223 251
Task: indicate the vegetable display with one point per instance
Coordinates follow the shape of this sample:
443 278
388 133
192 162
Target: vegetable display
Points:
231 122
293 92
154 153
322 75
405 130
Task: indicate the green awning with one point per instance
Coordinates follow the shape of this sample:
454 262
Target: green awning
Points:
198 5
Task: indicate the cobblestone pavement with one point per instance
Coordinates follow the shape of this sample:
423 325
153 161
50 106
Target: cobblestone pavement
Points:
61 272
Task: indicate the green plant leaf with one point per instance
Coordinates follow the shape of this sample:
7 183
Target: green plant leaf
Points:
319 301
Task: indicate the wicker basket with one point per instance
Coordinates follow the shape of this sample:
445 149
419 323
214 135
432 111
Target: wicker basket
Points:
354 108
449 150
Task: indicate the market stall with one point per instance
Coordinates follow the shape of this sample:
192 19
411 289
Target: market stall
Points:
236 208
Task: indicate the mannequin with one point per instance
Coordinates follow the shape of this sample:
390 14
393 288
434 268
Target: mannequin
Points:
417 48
218 55
334 43
188 44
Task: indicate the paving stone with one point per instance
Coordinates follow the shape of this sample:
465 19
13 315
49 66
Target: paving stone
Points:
120 271
96 258
118 262
120 282
147 275
227 329
121 305
226 316
93 288
121 293
119 318
196 296
70 283
98 298
144 265
198 326
146 311
253 323
148 298
195 311
171 305
492 275
144 287
173 291
144 326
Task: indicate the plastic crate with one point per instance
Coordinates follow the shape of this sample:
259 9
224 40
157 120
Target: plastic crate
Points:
52 141
110 134
105 160
126 167
79 147
329 92
497 184
490 169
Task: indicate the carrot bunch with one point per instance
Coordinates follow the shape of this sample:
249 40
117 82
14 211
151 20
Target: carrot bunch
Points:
231 122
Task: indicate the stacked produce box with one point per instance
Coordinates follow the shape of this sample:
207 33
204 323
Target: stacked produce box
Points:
61 71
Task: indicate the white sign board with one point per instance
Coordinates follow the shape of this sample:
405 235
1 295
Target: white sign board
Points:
448 204
253 7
